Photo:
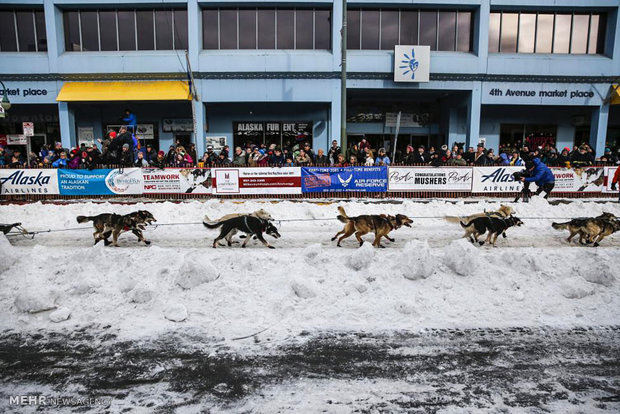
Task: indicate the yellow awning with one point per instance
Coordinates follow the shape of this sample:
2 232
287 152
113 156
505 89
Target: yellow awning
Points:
124 91
615 95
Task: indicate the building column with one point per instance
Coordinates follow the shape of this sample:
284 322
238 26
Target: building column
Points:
54 33
473 116
199 134
66 118
598 129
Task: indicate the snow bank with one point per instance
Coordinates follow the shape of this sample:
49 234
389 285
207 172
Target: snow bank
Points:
430 277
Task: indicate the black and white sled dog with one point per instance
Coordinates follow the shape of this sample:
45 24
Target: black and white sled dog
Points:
494 225
261 214
252 226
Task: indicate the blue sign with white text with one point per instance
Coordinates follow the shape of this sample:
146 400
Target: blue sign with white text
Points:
344 179
100 182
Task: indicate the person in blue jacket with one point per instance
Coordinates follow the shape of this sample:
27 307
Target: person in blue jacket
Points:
540 174
130 120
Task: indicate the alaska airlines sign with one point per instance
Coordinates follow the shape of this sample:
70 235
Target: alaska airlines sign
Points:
495 180
543 93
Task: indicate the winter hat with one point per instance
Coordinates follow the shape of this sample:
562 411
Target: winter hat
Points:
113 134
410 148
566 149
444 147
125 145
161 153
261 151
607 149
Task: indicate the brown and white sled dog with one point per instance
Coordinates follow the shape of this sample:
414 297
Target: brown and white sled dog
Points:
380 224
261 214
590 229
502 212
115 224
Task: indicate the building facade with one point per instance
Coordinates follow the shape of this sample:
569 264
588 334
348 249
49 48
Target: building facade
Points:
506 72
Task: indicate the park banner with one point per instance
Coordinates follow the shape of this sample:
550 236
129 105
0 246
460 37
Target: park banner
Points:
101 182
430 179
26 181
579 180
259 180
177 180
344 179
496 180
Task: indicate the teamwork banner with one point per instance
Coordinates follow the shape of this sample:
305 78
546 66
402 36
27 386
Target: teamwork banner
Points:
579 180
496 180
268 180
430 179
344 179
609 177
25 181
177 180
100 182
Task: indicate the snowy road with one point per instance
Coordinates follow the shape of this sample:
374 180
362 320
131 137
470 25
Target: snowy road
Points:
501 370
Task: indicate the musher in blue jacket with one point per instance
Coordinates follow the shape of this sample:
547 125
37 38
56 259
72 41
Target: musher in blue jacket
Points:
540 174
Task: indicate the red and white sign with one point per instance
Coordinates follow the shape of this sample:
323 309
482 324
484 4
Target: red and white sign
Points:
28 128
16 140
579 180
609 177
284 180
177 181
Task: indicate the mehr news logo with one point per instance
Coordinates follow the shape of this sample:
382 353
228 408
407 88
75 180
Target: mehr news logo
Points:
42 400
410 64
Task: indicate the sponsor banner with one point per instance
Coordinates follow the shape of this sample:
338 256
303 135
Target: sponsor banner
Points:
496 180
177 180
26 181
609 176
430 179
580 180
344 179
285 180
100 182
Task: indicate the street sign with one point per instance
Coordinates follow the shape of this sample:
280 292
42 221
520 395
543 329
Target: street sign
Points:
28 128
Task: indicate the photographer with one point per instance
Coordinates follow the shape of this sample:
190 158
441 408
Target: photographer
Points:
540 174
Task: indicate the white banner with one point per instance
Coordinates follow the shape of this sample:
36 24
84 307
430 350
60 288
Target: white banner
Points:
430 179
25 181
609 176
579 180
16 140
496 180
284 180
177 181
28 128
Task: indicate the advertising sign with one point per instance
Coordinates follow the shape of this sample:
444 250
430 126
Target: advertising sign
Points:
430 179
609 176
580 180
100 182
344 179
285 180
177 181
178 125
16 140
495 180
412 63
25 181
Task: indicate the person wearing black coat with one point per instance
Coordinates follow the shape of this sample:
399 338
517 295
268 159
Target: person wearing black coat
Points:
126 156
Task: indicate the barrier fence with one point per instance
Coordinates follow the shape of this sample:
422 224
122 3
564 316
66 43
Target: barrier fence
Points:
398 181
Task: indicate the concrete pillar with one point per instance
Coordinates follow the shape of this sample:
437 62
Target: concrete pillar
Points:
199 136
66 119
55 34
598 129
473 115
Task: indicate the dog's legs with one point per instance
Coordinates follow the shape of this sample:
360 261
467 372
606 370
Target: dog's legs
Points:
348 233
247 239
389 238
358 236
377 242
115 235
259 236
338 234
140 236
223 232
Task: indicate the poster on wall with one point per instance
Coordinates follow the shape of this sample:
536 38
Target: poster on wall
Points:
430 179
16 139
231 181
100 182
177 181
27 181
344 179
86 135
580 180
609 176
178 125
28 128
218 142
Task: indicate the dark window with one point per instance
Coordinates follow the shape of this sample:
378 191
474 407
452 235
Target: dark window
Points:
353 29
285 29
389 29
72 31
8 41
25 31
408 27
90 30
322 29
146 30
126 30
228 29
107 30
370 29
210 29
180 29
247 29
447 31
463 35
267 29
303 29
39 18
428 29
163 29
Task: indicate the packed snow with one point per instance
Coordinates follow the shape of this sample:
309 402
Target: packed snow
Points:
430 277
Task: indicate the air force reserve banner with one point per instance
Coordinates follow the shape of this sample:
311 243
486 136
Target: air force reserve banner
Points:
344 179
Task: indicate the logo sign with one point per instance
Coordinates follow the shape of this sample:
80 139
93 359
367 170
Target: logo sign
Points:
100 182
412 63
177 181
496 180
430 179
28 128
344 179
226 181
27 181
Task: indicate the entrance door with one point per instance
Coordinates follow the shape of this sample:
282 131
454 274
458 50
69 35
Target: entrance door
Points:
183 139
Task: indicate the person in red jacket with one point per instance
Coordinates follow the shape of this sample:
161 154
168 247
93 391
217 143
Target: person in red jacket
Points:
615 181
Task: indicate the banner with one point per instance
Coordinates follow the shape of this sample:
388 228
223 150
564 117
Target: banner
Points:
496 180
177 180
609 176
28 181
344 179
100 182
580 180
276 180
430 179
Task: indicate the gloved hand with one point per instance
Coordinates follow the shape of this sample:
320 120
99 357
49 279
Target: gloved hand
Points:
613 186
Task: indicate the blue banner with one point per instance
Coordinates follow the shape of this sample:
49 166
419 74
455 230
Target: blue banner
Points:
344 179
100 182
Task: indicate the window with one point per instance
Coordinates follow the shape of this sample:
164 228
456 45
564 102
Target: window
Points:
22 30
112 30
281 28
531 32
372 29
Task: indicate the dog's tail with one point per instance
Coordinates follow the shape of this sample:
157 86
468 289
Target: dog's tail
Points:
560 226
452 219
343 215
208 220
207 224
464 225
84 219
